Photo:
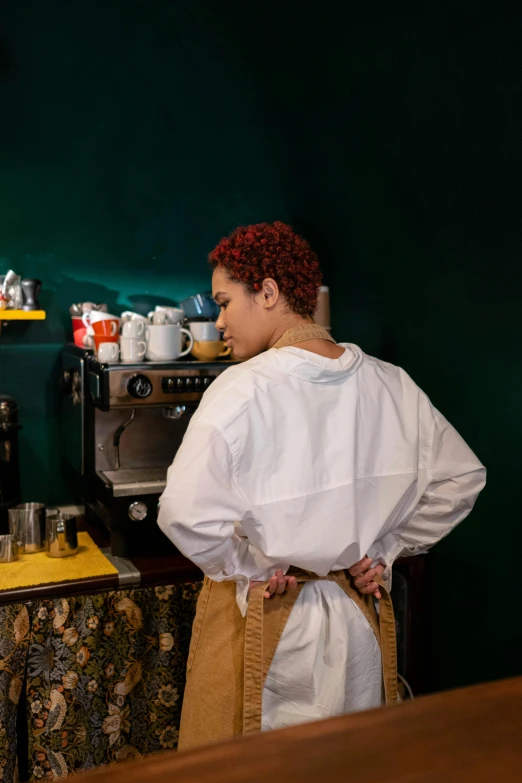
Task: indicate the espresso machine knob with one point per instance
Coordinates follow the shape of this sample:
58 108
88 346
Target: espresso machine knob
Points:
66 381
139 387
76 382
137 511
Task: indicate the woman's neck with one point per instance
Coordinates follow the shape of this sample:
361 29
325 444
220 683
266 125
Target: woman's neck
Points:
317 345
286 322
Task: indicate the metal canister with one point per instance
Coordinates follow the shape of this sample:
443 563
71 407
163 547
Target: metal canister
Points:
61 538
8 549
27 524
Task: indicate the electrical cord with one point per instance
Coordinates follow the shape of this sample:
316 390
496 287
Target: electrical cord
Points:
406 685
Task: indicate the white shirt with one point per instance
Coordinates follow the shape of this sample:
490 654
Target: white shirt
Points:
293 459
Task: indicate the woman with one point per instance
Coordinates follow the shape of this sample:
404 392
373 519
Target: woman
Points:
307 461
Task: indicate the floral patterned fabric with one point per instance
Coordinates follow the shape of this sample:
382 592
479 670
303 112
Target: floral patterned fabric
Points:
14 640
104 681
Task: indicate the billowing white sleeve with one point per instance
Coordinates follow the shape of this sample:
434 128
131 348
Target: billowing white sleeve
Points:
200 510
455 478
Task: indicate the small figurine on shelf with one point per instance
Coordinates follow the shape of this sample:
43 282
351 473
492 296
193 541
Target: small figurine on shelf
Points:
5 298
11 291
30 292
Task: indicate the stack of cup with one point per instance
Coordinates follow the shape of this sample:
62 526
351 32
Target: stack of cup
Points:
208 342
80 335
158 337
104 329
133 345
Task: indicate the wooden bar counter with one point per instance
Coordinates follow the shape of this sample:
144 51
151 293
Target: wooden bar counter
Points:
473 735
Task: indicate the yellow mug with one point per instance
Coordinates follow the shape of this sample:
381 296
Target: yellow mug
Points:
209 350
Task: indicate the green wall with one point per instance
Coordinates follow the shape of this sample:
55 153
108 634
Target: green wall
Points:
135 134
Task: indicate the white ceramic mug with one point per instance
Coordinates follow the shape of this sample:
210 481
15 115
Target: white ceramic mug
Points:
204 331
164 343
132 350
108 352
174 314
160 318
134 329
128 315
94 315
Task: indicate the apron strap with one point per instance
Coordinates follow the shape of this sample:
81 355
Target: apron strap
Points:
383 626
298 334
253 660
388 645
264 625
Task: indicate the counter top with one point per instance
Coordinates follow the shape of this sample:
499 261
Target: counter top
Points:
142 571
471 735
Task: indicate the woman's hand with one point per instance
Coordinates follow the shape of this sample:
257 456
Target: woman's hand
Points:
278 584
364 576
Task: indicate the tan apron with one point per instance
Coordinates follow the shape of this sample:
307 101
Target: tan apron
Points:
230 655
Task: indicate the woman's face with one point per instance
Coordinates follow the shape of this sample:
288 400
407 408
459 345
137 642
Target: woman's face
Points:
244 318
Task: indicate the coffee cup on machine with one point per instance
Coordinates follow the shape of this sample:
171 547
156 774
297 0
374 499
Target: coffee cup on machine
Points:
210 350
203 331
106 352
134 329
160 318
107 324
208 343
129 315
164 314
81 336
164 343
132 350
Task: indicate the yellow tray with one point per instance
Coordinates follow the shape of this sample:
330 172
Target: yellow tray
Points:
38 569
22 315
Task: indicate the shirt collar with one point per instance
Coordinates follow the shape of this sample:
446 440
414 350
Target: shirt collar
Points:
314 368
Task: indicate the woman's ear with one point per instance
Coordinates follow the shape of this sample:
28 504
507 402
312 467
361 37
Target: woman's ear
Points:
270 293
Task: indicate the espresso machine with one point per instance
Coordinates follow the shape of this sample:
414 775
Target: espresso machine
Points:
122 425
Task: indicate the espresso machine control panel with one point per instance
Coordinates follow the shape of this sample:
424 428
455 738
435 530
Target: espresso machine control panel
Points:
141 387
188 384
124 386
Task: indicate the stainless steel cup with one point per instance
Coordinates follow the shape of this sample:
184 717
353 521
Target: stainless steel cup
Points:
61 538
27 524
8 549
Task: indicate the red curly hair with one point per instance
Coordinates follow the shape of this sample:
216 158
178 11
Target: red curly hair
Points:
252 253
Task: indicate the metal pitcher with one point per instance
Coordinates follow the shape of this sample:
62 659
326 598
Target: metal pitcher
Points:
27 524
61 538
8 549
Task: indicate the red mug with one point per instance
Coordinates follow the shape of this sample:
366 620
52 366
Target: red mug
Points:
107 328
80 333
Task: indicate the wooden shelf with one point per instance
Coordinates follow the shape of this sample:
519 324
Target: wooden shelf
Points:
22 315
